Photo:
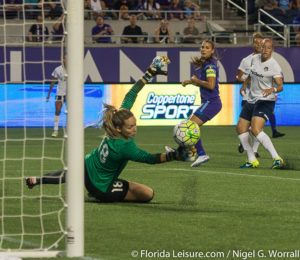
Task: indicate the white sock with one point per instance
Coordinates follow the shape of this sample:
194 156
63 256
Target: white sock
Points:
244 139
265 140
56 119
256 144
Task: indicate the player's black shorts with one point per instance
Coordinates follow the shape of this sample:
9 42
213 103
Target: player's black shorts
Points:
261 108
244 102
116 193
61 99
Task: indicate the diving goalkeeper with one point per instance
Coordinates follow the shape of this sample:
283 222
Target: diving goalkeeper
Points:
104 164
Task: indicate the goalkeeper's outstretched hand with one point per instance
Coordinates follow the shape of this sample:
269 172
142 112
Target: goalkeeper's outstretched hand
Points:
176 154
156 68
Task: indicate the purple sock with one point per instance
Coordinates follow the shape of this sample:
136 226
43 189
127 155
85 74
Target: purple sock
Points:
199 148
272 122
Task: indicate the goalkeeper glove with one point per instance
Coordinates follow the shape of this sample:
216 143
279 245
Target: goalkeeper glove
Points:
175 154
155 68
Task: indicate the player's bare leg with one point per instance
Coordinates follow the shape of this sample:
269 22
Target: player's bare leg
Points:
139 193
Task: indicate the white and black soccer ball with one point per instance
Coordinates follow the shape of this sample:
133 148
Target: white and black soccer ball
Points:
186 133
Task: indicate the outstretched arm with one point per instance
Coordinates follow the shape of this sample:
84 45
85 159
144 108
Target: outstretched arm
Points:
153 70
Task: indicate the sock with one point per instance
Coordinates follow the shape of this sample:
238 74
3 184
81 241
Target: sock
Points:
199 148
256 144
56 119
244 139
272 120
265 140
56 177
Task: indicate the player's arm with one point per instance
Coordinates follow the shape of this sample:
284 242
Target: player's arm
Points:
245 83
209 84
53 81
239 76
133 153
154 69
278 88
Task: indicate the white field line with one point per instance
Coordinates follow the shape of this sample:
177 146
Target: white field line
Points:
216 172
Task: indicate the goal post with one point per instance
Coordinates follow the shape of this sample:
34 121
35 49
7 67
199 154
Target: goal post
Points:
44 220
75 151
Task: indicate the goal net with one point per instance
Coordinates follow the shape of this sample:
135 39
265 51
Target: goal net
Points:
32 44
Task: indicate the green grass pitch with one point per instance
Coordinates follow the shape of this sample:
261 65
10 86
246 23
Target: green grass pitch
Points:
213 208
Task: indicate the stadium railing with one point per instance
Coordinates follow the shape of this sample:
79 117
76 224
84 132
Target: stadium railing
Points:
285 35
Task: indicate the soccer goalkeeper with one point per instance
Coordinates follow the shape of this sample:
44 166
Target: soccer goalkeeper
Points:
104 164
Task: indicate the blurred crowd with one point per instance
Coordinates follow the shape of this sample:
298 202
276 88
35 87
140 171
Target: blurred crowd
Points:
102 11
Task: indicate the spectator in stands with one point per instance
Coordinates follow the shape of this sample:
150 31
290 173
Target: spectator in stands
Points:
283 4
191 10
273 9
38 32
140 8
295 5
191 33
163 34
55 9
296 23
58 29
87 9
100 30
119 3
124 12
297 39
31 9
98 7
13 9
132 30
294 8
152 8
175 6
164 4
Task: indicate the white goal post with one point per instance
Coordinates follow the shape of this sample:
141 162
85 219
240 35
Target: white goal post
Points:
24 154
75 150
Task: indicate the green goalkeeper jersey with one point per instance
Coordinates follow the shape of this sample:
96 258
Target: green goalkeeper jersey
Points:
105 163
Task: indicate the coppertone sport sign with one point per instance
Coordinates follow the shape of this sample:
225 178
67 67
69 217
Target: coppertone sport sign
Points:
127 64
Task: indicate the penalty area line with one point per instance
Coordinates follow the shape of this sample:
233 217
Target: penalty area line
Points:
216 172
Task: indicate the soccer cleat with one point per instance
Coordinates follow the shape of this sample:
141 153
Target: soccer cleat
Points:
248 164
54 134
277 163
277 134
200 159
240 148
31 182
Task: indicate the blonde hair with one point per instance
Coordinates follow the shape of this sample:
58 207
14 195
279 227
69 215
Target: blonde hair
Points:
257 35
114 118
198 62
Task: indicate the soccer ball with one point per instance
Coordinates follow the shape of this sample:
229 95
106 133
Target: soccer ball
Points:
186 133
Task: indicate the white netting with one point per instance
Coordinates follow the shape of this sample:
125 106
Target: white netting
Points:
31 219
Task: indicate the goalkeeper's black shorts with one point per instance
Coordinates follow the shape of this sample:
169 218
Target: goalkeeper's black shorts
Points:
116 193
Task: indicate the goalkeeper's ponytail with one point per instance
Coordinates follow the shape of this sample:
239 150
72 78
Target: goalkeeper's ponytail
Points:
114 118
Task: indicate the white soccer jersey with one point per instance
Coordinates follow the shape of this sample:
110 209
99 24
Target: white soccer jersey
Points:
262 76
59 74
245 68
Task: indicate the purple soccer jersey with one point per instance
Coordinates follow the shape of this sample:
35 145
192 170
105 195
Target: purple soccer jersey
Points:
210 100
209 68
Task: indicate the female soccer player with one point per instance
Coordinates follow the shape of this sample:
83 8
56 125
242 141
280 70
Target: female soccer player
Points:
243 72
260 105
208 82
61 92
104 164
